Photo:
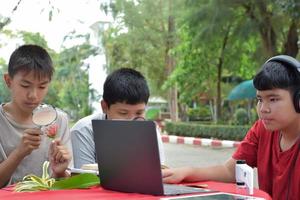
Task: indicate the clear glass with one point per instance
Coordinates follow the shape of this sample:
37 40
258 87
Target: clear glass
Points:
44 116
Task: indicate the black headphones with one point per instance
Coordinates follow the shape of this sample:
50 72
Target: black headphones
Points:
289 61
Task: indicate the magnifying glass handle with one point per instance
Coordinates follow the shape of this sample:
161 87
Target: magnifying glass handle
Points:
43 130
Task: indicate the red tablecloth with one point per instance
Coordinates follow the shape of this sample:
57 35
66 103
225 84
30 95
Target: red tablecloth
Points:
98 193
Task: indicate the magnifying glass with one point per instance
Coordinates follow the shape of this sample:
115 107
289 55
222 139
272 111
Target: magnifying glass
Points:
139 119
44 115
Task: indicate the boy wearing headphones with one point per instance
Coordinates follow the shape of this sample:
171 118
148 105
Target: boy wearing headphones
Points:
272 144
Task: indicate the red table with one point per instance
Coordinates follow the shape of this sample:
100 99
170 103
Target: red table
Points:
98 193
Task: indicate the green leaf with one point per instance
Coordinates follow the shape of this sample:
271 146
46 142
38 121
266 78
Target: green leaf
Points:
45 170
30 186
77 181
32 182
35 179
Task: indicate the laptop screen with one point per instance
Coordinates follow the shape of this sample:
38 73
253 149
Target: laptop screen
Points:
128 156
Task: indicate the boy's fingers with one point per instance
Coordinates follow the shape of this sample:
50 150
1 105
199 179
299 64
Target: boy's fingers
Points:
31 137
57 142
60 154
166 173
53 148
168 180
34 131
35 145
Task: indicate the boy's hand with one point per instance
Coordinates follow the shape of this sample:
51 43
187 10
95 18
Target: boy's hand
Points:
59 158
175 175
30 141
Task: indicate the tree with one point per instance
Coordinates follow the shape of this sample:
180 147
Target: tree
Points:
219 38
4 94
69 89
210 46
6 20
211 40
73 97
277 23
143 38
69 65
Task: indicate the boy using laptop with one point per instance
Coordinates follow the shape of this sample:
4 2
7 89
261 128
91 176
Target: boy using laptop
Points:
23 147
272 144
125 96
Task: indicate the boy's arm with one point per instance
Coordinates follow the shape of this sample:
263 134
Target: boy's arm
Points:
60 158
83 147
223 173
64 134
8 167
30 141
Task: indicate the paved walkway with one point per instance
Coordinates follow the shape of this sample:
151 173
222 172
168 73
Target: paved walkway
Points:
199 141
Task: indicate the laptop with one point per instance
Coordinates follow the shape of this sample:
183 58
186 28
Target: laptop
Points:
128 157
215 196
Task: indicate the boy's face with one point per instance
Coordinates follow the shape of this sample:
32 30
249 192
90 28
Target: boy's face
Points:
27 90
276 109
123 110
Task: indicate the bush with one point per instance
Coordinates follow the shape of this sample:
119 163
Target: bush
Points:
199 113
241 117
224 132
152 114
254 116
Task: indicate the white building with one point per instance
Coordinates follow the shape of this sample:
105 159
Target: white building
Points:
97 72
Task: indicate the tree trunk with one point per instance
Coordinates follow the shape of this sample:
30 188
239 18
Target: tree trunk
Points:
212 109
218 99
266 29
264 25
291 45
170 63
219 74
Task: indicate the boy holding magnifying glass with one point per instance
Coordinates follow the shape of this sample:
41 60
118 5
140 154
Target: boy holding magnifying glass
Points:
23 147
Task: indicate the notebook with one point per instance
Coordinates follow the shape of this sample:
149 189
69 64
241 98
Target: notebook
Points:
128 157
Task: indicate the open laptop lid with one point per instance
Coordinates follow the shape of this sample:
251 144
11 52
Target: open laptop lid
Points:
128 156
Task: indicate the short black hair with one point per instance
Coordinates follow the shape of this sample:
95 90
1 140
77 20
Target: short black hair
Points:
29 58
277 75
125 85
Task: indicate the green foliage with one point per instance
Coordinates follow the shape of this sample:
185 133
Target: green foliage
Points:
31 183
152 114
73 97
4 93
80 181
69 89
290 7
207 131
34 38
201 35
199 113
232 38
241 117
213 38
139 37
254 115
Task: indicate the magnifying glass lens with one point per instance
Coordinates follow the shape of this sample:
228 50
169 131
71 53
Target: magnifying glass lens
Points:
44 115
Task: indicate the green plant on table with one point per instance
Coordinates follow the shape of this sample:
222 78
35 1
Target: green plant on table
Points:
31 183
34 183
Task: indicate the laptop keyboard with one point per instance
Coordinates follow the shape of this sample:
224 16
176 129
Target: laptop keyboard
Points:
171 189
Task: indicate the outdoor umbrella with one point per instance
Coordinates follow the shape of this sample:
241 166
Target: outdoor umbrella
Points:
244 90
